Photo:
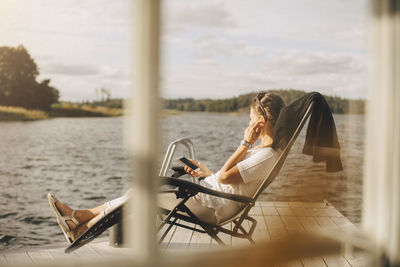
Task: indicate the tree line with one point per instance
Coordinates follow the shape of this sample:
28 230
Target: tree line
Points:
18 84
242 102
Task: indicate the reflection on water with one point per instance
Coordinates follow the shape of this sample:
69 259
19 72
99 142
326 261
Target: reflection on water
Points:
83 162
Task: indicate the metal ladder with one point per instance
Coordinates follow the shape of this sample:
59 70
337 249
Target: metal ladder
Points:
171 151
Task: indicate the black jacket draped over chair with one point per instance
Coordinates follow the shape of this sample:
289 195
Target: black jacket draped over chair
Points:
321 137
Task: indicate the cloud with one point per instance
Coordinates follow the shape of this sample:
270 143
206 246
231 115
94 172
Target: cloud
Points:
334 24
328 73
70 69
273 44
211 46
111 72
311 63
194 15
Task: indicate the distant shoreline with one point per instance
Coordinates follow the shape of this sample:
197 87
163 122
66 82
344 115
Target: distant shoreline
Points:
9 113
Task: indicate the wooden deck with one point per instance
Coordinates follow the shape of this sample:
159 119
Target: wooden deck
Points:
274 221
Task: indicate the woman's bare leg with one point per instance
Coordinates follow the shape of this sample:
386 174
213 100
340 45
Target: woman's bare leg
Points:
84 226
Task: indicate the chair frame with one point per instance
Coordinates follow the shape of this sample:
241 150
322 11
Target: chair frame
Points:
184 190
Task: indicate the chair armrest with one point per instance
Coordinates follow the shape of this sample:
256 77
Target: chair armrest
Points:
178 171
183 184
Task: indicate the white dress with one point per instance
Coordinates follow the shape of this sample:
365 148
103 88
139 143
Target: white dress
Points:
254 168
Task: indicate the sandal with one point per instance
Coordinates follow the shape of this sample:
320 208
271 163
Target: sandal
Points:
62 220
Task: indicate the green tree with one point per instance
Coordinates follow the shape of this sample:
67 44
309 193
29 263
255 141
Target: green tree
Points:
18 85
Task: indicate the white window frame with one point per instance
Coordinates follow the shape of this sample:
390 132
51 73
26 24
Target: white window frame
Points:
381 202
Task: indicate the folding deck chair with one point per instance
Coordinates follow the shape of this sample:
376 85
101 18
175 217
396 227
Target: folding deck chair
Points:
185 190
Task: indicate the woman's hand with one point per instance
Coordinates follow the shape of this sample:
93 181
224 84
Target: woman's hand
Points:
252 132
203 171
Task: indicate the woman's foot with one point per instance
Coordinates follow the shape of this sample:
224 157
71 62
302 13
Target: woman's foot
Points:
65 210
83 217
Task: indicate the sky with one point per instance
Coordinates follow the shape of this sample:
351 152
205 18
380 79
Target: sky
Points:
209 48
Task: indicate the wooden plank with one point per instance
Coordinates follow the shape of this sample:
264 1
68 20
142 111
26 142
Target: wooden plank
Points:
199 240
269 211
319 223
357 258
2 259
228 238
266 203
342 222
104 249
294 263
87 252
296 204
318 211
281 204
168 237
181 237
255 211
58 254
261 232
332 212
292 224
326 223
275 227
310 224
285 211
314 204
236 241
18 258
336 261
313 262
39 256
284 225
300 211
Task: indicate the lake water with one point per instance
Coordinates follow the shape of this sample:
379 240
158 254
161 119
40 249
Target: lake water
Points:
82 160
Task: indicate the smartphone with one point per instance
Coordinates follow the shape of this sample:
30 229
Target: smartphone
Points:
188 163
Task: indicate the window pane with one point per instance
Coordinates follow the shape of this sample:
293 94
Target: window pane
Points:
75 149
217 55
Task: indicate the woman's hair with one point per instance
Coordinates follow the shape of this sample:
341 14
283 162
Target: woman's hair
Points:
272 105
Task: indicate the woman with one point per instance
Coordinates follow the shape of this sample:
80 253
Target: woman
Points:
241 174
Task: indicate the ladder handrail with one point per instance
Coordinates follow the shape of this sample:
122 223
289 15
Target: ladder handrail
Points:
171 151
